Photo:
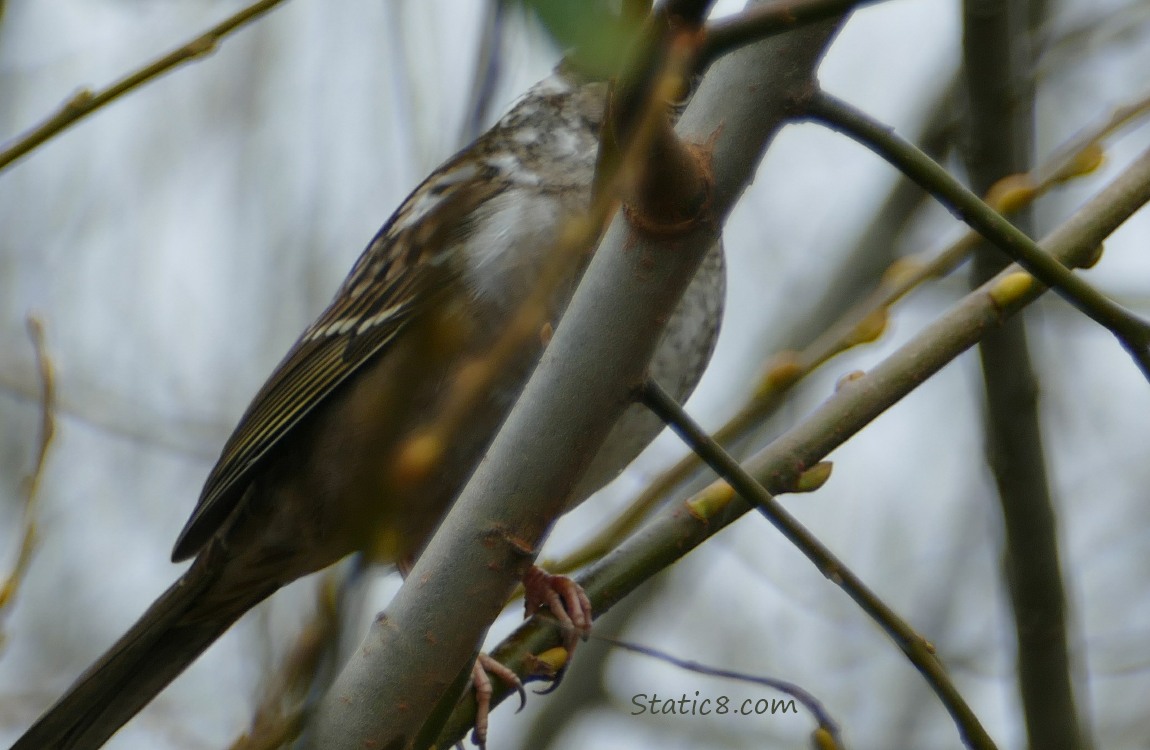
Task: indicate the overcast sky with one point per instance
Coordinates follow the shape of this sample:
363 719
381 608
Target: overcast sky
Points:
176 243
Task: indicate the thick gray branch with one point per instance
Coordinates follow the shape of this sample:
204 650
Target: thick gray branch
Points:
412 662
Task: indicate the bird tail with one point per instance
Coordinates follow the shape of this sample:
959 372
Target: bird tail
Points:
162 643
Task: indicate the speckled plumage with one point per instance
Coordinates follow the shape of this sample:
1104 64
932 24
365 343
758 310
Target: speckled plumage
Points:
310 473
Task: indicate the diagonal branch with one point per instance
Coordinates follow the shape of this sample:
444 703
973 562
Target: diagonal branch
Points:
1132 332
680 527
782 370
917 649
84 102
408 667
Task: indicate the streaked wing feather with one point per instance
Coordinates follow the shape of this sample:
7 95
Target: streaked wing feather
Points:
389 284
312 370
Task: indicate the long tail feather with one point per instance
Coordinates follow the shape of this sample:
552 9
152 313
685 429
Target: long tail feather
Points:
150 655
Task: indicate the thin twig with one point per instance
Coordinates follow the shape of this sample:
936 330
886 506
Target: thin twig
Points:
917 649
861 323
681 527
1063 158
31 489
812 704
1131 331
84 102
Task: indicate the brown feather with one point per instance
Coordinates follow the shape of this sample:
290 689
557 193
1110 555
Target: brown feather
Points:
390 284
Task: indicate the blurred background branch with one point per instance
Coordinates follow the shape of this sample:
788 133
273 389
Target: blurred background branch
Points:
181 239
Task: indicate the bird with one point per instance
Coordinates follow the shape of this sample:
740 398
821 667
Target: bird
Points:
319 467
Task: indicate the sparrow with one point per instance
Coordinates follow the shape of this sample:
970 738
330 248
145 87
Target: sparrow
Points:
320 465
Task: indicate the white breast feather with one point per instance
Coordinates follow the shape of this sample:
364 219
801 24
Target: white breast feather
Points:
515 232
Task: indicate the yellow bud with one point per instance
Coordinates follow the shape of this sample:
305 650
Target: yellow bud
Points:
80 99
417 456
869 328
814 477
202 47
822 739
1008 289
1082 163
1011 193
783 369
901 270
551 661
714 498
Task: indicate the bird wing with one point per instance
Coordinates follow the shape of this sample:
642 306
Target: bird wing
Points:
395 278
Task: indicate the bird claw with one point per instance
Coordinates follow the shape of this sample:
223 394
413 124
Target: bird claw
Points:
566 599
569 604
485 666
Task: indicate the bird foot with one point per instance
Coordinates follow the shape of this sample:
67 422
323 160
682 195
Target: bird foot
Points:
566 599
569 604
486 666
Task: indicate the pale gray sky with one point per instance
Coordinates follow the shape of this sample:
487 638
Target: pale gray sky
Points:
177 242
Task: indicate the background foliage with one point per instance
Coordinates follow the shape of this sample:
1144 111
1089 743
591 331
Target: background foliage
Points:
176 243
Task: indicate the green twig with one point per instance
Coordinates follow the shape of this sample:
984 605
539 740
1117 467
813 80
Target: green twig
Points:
917 649
1131 331
681 527
84 102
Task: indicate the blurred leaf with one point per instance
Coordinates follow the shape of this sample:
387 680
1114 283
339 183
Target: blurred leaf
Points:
595 34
